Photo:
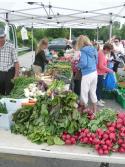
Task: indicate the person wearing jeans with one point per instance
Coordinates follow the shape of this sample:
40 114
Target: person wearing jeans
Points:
102 70
87 64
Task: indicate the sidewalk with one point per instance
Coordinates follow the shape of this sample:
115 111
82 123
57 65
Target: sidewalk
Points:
27 59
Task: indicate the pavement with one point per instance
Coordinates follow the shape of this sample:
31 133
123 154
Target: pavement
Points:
27 59
15 161
47 162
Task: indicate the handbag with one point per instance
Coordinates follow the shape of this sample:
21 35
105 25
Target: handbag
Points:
110 82
78 75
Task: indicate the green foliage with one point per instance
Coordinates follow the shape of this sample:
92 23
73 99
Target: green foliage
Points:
19 85
49 118
57 33
101 118
64 33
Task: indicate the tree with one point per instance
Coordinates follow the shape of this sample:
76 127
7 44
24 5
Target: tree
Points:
91 33
122 32
57 33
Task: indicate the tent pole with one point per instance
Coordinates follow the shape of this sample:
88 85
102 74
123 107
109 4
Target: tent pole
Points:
32 44
110 31
110 28
70 34
97 34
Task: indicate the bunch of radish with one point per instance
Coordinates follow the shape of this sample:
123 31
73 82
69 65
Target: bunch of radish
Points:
120 125
86 137
104 141
69 139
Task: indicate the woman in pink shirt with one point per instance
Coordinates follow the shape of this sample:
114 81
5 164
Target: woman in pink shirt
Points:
102 69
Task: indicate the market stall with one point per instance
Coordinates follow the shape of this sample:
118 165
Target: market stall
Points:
41 117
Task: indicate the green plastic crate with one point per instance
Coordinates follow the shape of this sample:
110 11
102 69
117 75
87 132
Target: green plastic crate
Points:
120 98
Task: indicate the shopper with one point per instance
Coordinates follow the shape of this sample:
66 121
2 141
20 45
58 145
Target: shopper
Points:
118 46
40 57
102 71
9 66
76 77
87 64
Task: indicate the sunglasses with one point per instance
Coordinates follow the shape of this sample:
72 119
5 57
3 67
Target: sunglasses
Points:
116 41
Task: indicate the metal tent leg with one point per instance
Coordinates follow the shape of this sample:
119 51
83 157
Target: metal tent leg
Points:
104 165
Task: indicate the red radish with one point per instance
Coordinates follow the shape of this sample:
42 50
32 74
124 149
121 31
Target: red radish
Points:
113 124
122 150
119 121
111 129
76 137
122 134
72 139
100 151
122 129
109 124
88 135
105 147
119 125
97 146
86 140
68 142
102 142
106 152
120 141
121 115
86 131
108 142
68 136
82 134
112 136
65 133
64 137
105 136
123 145
81 140
93 135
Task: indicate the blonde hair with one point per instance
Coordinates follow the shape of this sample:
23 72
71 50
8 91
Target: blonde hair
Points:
83 41
41 45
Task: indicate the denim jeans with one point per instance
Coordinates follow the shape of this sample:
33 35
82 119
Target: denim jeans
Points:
99 90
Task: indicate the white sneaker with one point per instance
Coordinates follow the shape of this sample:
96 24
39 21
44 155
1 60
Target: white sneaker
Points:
103 102
100 104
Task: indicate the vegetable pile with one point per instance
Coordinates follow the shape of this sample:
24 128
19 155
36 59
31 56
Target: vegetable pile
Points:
49 118
35 89
56 120
60 68
19 85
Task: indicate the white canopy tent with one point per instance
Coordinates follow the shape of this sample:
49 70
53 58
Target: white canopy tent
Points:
64 13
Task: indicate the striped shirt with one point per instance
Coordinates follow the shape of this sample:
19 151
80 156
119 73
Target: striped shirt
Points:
8 56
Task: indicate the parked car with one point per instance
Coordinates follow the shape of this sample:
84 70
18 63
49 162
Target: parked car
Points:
58 44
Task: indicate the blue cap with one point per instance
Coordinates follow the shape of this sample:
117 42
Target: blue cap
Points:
2 32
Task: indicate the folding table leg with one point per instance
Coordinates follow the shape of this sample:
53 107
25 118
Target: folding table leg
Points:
104 165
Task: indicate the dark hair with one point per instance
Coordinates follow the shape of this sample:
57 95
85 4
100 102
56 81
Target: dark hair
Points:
108 46
74 43
118 38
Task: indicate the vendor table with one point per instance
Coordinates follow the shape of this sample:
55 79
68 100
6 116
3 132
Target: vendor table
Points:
19 145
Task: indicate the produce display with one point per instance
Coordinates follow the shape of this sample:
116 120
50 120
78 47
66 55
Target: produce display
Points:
52 114
57 120
19 85
60 68
35 89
